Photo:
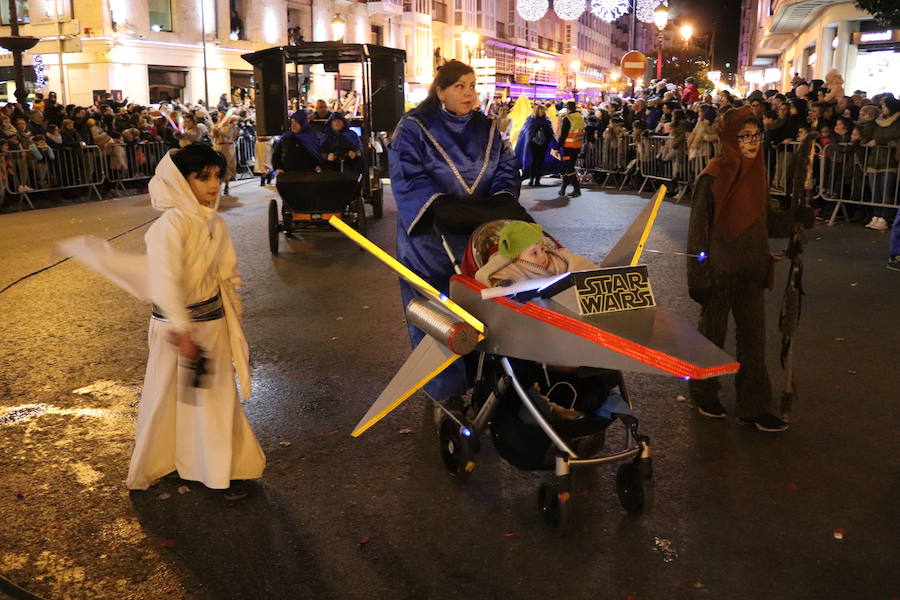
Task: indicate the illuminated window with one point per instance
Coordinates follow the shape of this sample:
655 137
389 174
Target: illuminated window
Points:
21 12
160 15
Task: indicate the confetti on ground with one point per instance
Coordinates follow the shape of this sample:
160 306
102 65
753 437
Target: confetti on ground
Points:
20 495
851 371
405 430
334 431
838 534
284 444
699 586
340 319
333 338
854 284
365 307
335 376
164 496
183 489
811 463
680 398
363 541
511 534
794 486
665 546
169 543
839 339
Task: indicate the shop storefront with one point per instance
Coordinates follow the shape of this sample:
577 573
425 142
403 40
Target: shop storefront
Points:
166 83
877 67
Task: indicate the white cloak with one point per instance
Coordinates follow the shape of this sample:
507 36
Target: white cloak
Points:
202 433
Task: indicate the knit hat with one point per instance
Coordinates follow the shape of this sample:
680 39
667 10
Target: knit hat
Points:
516 236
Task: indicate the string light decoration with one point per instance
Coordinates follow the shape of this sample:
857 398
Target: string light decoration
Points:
532 10
568 10
38 62
609 10
644 9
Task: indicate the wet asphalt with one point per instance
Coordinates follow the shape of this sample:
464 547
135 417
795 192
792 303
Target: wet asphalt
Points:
738 514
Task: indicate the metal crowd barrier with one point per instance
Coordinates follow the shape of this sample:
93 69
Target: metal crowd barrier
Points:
609 157
61 169
133 162
245 154
861 176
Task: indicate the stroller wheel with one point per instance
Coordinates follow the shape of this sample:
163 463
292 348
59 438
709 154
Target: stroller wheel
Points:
555 505
634 488
456 449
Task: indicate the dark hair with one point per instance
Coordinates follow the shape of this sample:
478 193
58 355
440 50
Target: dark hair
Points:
854 111
892 104
198 159
690 81
571 106
752 121
771 114
447 75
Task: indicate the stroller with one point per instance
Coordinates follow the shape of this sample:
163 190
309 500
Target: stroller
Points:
540 417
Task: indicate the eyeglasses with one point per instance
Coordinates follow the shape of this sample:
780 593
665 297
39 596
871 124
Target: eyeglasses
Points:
749 138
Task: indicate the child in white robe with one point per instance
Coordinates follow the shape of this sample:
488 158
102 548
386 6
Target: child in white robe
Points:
190 275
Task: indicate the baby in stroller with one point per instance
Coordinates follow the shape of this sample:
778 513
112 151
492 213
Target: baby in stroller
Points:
578 403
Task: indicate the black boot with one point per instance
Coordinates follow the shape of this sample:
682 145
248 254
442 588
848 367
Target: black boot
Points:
226 189
565 182
262 180
576 186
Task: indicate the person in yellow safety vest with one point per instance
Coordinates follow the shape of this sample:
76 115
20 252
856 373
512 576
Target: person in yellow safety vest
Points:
571 137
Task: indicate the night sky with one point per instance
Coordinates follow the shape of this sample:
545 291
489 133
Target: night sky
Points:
704 15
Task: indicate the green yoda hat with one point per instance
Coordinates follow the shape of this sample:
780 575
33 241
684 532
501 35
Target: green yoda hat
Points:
516 236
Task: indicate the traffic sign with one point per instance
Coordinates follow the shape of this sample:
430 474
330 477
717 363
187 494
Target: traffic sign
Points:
634 64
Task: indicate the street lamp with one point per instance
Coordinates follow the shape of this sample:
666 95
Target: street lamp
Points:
575 66
686 32
470 40
338 27
660 18
536 65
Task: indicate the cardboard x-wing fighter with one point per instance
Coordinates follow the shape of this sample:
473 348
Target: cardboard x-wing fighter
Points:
605 318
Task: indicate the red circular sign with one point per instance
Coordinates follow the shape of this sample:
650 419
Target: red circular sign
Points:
634 65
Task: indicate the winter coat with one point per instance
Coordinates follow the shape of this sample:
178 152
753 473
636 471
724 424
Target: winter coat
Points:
702 135
878 135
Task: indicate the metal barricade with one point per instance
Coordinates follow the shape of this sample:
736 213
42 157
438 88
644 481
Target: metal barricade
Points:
608 156
779 162
31 171
245 155
859 175
133 162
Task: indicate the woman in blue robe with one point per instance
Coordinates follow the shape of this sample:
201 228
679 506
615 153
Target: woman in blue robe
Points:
298 148
341 148
537 139
445 151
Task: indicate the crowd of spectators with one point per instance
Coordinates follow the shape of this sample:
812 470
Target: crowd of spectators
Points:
45 142
856 135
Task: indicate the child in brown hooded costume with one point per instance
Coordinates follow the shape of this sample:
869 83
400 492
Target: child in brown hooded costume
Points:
729 227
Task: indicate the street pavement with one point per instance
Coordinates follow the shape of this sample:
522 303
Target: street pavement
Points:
738 514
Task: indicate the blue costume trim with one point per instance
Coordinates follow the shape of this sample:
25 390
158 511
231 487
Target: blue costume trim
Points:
434 154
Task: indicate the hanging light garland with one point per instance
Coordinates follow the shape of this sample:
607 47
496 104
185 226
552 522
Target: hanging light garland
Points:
644 9
568 10
532 10
609 10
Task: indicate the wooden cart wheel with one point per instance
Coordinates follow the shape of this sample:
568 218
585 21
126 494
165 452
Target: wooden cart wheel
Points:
378 203
361 215
273 226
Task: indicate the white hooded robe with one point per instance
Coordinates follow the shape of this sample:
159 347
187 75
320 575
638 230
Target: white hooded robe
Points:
203 432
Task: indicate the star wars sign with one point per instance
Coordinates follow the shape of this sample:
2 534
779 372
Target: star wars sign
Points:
605 291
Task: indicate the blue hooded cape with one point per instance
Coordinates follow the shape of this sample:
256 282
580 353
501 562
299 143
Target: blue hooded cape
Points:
346 133
435 153
523 149
305 138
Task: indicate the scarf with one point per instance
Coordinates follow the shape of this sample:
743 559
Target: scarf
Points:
739 187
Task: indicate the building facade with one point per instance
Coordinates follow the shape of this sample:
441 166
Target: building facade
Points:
783 38
153 50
